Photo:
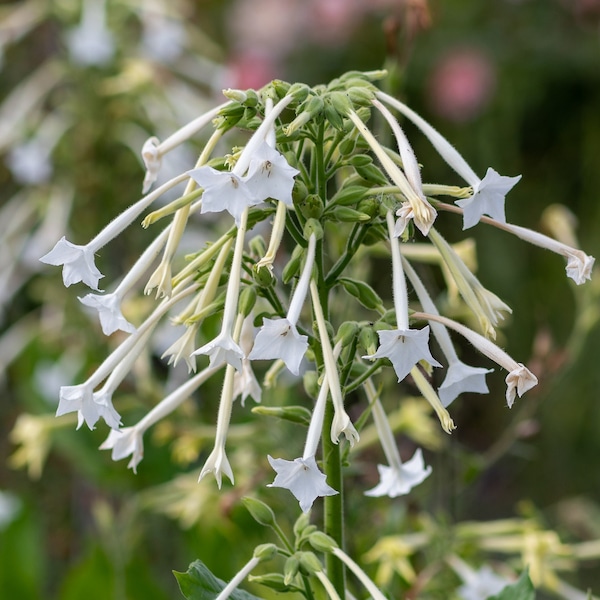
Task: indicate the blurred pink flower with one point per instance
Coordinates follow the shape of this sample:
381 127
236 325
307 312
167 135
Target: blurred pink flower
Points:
462 84
251 69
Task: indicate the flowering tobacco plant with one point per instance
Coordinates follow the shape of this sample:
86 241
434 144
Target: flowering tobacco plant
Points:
316 177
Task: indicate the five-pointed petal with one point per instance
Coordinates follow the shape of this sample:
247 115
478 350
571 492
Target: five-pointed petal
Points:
90 406
109 312
278 338
245 383
405 348
223 190
462 378
396 481
270 175
303 478
488 198
223 350
78 263
482 584
519 381
125 442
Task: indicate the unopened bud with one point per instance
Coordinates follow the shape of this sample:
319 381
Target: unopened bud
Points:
313 227
363 292
311 207
265 552
349 195
260 511
322 542
247 300
310 379
309 563
346 146
290 569
347 332
368 339
346 215
293 266
294 414
263 276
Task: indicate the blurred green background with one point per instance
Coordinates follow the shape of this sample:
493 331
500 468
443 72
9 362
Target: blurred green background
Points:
513 84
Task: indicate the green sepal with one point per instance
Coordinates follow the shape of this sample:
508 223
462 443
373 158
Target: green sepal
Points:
198 583
363 292
295 414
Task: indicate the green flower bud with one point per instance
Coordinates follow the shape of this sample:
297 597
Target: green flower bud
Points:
260 511
290 569
346 146
311 207
236 95
282 88
247 300
369 206
263 276
372 174
349 195
347 331
252 98
375 234
310 379
299 191
257 245
361 96
346 215
294 414
333 116
322 542
340 102
302 522
368 339
309 563
363 292
293 266
360 160
299 91
232 110
313 227
265 552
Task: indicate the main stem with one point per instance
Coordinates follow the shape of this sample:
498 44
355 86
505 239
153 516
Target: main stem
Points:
333 519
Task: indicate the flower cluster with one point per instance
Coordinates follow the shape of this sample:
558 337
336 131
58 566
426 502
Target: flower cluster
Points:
334 194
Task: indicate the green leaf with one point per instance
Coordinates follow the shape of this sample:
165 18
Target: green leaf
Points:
521 590
198 583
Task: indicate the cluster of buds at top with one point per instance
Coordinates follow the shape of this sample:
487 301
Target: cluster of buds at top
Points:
332 193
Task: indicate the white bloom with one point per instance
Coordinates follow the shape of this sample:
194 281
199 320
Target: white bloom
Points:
89 407
78 263
579 266
519 381
270 175
91 43
245 383
462 378
125 442
152 161
183 348
405 348
223 349
30 162
303 478
477 585
487 199
278 338
217 464
224 190
400 479
109 312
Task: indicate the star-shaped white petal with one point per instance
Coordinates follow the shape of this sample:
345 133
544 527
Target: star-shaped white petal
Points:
488 198
482 584
223 190
125 442
77 262
223 350
88 405
405 348
279 339
303 478
109 312
217 464
398 481
579 266
270 175
462 378
245 383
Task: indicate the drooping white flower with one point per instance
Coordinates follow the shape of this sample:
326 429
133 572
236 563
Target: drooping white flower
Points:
488 193
478 584
400 480
404 348
488 198
125 442
183 348
90 43
303 478
217 463
109 312
77 261
270 175
223 349
244 382
462 378
90 408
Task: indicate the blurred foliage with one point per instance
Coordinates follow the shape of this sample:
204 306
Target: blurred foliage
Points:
527 103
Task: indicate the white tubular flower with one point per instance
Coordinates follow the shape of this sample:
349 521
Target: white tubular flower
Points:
279 338
183 348
460 377
488 193
404 347
303 478
420 210
519 379
91 43
341 420
78 261
398 478
244 382
129 440
153 150
223 349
